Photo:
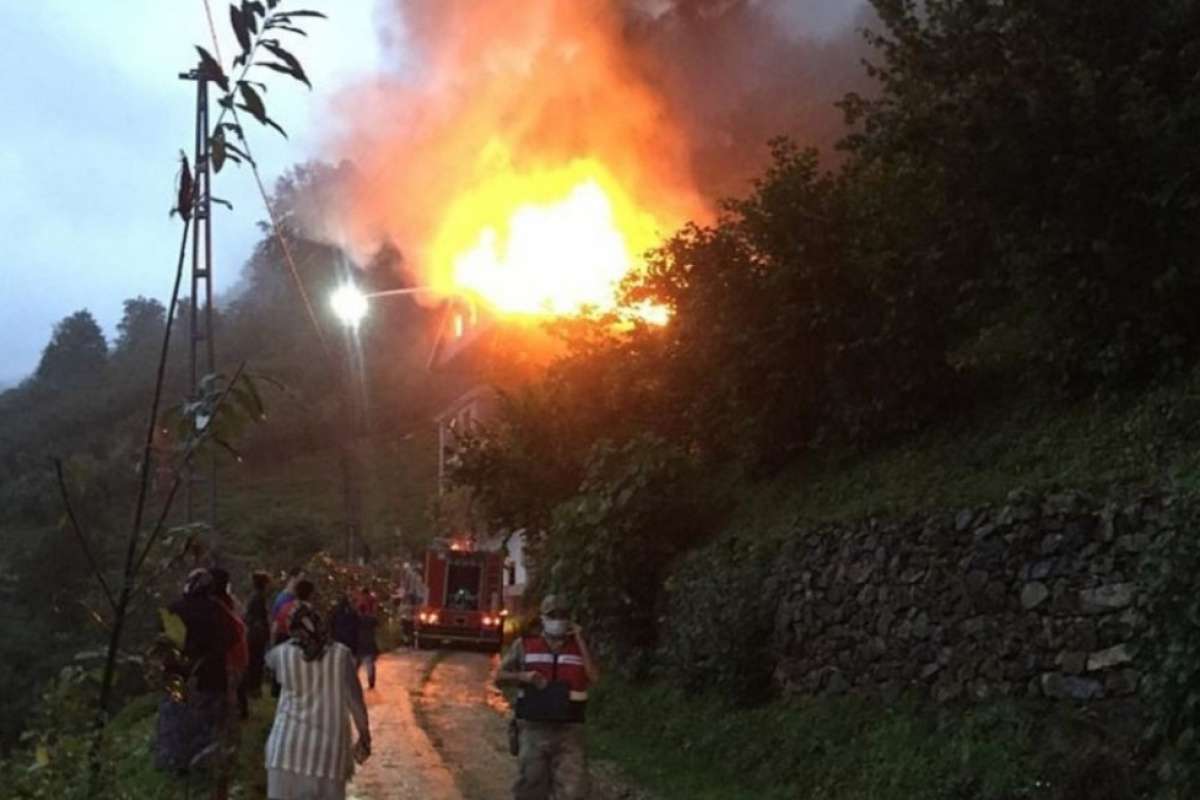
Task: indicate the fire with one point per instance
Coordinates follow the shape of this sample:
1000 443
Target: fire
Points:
520 159
555 241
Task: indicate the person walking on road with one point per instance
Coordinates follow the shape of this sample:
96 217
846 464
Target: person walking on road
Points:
308 753
368 622
343 624
282 605
553 671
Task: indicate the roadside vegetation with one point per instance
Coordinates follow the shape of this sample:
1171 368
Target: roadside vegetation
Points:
992 290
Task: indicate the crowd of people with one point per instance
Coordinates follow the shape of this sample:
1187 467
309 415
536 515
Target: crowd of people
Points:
226 653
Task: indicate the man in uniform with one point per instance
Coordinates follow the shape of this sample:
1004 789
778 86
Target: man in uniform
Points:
552 670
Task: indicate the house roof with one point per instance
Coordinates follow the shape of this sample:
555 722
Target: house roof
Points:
460 325
482 390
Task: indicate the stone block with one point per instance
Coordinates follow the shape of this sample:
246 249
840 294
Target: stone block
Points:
1068 687
1051 543
1109 658
1072 663
920 628
1121 682
1033 594
1110 597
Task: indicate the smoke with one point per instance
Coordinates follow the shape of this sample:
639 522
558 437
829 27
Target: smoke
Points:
736 73
675 98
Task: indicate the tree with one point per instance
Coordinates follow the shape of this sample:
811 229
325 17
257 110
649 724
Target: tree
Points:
140 331
1057 144
76 355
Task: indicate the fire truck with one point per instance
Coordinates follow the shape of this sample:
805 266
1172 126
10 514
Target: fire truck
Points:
463 600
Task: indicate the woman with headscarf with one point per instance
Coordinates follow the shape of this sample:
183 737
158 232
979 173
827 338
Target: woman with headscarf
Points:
309 754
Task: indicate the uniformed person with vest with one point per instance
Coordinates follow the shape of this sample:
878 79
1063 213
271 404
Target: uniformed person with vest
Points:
552 670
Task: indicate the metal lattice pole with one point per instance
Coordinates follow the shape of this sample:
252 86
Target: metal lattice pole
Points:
202 480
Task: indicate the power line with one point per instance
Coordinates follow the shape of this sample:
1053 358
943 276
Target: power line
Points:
276 227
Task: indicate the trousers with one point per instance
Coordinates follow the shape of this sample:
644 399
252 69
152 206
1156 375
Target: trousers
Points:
551 762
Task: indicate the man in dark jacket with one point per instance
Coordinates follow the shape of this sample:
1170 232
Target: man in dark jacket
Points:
344 624
368 621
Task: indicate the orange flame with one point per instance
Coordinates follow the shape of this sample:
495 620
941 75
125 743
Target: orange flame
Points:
522 163
549 242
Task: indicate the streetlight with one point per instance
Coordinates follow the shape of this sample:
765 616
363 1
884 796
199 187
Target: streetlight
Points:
350 304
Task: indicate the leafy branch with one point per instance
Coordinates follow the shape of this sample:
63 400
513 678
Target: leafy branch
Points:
221 408
256 28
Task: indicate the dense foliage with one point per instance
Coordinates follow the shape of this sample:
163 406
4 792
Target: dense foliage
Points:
281 495
1013 219
1171 651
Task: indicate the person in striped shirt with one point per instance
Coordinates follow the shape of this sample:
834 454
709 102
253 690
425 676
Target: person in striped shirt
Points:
309 754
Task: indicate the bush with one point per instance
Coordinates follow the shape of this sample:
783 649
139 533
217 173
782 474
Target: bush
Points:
610 548
721 601
701 747
1170 649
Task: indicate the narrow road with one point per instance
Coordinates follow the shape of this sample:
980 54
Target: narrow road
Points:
440 733
404 764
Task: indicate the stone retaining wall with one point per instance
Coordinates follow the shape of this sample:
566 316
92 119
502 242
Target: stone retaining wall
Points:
1035 597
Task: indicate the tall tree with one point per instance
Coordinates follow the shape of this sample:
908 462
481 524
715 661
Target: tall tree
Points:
140 330
76 355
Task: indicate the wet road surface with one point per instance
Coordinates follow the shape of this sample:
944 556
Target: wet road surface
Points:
439 731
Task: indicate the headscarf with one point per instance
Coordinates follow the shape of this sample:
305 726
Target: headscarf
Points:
199 582
307 631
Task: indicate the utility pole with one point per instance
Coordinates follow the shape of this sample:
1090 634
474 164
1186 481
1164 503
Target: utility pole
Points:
202 480
353 415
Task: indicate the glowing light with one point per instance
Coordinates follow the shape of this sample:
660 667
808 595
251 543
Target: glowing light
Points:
349 304
554 242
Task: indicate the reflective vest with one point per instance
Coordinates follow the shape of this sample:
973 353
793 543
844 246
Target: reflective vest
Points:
565 697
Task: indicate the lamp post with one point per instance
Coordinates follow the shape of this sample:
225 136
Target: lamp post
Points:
351 306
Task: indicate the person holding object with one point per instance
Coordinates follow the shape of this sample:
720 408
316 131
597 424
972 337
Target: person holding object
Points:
552 671
308 753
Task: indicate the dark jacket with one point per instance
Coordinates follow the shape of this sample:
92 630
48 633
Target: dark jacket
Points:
344 626
367 646
209 639
258 621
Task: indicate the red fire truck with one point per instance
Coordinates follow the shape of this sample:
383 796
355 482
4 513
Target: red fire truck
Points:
464 600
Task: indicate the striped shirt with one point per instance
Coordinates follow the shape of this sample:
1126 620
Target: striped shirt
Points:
311 734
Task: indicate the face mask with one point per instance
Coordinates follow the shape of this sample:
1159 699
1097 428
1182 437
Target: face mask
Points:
555 627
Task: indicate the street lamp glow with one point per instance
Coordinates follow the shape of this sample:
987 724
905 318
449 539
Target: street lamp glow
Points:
349 304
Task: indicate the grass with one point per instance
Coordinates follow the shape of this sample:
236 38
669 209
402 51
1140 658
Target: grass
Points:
1100 444
700 748
132 737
